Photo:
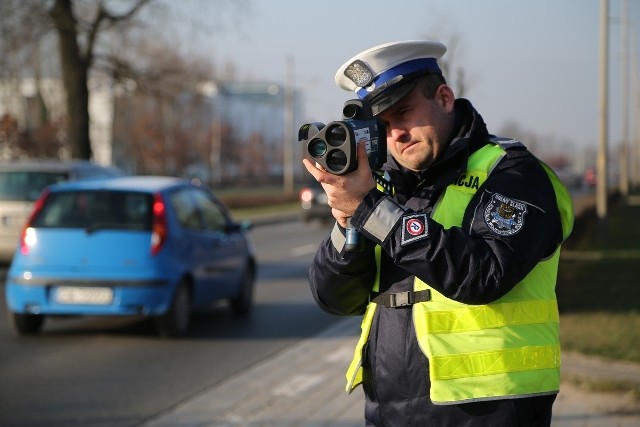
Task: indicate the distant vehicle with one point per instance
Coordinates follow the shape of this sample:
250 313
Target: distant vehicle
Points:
156 247
21 182
590 177
314 203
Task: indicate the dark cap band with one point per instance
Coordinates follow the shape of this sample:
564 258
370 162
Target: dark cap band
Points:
398 73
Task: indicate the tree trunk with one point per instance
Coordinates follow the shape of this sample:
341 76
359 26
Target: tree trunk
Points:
75 72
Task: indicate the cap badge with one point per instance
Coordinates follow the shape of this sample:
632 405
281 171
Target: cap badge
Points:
359 73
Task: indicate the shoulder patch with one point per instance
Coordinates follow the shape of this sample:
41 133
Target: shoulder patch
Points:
507 143
504 216
414 228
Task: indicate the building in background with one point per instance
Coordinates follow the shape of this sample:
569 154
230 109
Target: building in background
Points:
219 133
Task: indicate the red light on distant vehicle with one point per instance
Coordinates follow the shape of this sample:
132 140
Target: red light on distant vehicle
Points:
159 228
306 195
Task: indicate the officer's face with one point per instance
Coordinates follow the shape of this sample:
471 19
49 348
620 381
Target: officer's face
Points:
418 128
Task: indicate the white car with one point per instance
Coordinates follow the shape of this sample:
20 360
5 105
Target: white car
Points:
21 183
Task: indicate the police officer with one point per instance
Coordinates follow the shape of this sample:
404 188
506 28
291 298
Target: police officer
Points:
456 277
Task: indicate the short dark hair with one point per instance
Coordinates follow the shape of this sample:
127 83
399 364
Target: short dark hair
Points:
430 83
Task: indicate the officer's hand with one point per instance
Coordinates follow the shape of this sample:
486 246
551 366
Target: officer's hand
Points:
341 217
345 192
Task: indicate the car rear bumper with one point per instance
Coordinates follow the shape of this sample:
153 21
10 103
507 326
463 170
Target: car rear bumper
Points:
139 297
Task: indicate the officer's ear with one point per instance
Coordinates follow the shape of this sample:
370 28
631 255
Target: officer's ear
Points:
445 96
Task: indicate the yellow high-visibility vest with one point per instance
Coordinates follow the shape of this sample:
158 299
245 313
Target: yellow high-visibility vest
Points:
508 348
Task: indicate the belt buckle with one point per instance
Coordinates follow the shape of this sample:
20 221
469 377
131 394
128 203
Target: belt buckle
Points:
400 299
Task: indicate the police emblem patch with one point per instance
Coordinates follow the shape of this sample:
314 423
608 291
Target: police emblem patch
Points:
504 216
414 227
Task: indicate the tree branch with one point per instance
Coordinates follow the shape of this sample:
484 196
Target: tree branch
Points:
104 15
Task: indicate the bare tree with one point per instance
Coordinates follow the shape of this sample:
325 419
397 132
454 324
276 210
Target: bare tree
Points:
161 124
90 36
451 68
26 25
23 24
76 60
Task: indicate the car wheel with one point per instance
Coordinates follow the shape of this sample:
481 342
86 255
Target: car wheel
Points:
26 324
175 323
242 302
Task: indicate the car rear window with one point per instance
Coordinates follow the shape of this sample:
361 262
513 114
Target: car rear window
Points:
27 186
100 209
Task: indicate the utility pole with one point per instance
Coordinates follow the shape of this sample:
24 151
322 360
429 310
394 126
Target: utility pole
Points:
601 169
624 111
636 137
216 146
288 130
634 89
215 156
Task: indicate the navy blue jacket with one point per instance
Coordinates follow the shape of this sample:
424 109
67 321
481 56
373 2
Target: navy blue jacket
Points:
469 264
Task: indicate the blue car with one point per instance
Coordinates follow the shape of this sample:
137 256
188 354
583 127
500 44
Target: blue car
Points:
157 247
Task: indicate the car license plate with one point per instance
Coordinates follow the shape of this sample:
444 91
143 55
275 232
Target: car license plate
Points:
83 295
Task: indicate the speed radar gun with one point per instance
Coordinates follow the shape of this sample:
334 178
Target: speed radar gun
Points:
334 146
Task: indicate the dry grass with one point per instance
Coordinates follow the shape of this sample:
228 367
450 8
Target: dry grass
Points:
599 285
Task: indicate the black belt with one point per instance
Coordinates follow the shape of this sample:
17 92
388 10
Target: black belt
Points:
401 299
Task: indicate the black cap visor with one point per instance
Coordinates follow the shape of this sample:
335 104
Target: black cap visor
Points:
394 90
387 98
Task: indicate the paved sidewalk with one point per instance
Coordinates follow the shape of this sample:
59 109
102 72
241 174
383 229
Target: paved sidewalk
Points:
304 386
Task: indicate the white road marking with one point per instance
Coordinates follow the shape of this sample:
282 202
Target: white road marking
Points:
297 384
304 249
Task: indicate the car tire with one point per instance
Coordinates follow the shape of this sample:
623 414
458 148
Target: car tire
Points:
175 323
26 324
241 304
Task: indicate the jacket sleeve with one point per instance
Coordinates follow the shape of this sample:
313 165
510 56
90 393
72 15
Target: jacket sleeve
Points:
341 281
486 256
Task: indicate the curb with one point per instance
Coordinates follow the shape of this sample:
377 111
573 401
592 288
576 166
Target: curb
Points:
287 391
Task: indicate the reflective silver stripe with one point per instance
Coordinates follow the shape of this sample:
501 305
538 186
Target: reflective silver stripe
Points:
337 238
383 219
493 166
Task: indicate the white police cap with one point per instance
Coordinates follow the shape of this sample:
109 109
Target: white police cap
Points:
373 73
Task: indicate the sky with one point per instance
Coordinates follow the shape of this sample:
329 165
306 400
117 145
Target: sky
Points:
535 63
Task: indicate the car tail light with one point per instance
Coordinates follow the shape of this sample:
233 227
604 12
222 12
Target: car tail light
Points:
28 235
306 195
159 229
